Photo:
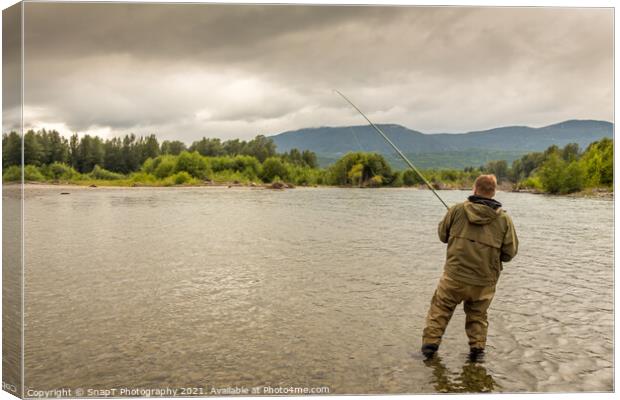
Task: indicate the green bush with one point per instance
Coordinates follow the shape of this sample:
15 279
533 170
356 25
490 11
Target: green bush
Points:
194 164
12 174
165 166
598 163
359 168
143 177
238 168
180 178
533 182
449 175
161 167
149 165
558 176
303 175
239 163
32 173
104 174
410 178
574 178
59 171
355 175
376 181
249 165
273 167
398 180
551 173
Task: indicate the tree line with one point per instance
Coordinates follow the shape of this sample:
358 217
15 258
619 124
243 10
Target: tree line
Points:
127 154
132 160
555 170
566 170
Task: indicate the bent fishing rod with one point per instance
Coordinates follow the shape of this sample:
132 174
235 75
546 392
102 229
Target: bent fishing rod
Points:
400 153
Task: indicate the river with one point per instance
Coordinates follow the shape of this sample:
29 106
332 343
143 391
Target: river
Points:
319 287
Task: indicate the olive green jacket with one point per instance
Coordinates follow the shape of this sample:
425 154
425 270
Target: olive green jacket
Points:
479 239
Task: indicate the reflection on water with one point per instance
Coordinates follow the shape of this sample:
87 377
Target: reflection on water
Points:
216 287
473 377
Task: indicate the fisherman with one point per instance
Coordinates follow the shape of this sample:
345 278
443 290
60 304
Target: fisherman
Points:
480 236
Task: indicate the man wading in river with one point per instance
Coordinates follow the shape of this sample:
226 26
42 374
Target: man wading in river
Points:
480 236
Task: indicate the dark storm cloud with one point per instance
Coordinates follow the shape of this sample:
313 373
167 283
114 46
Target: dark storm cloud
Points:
185 71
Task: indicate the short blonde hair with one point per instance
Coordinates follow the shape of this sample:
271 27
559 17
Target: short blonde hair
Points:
485 185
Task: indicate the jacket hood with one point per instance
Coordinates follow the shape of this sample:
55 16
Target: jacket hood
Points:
481 211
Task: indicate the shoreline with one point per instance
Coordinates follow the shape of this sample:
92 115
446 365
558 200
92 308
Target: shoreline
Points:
601 193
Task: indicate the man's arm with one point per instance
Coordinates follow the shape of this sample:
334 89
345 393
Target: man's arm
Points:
444 226
510 245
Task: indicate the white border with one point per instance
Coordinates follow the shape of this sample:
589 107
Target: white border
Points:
483 3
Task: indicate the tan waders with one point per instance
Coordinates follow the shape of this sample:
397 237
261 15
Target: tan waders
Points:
448 295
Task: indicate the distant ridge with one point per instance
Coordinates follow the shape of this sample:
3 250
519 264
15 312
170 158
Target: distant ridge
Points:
470 148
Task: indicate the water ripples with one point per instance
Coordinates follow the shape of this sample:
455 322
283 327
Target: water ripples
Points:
308 287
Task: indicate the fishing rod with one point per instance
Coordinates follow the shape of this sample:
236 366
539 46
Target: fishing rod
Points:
400 153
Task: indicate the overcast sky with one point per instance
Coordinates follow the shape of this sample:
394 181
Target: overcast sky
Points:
186 71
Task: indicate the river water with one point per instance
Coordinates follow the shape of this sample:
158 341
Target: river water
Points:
322 287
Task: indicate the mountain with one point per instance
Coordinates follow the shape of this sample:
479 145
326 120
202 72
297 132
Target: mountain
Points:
455 150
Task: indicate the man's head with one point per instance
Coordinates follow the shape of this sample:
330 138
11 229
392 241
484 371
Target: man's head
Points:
485 186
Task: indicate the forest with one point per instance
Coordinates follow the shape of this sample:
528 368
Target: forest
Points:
144 161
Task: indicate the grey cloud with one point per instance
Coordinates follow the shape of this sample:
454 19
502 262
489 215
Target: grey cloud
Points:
231 70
